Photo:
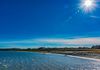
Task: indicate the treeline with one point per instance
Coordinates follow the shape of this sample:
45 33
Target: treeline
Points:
17 49
96 47
51 49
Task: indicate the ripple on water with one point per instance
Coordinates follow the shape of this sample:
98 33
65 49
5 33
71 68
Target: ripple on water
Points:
37 61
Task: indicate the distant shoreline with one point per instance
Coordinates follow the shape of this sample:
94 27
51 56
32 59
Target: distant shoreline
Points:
92 57
90 53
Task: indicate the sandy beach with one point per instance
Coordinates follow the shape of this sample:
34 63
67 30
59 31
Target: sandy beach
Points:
84 57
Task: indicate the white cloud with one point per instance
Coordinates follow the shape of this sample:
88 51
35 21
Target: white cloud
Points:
76 41
20 41
54 42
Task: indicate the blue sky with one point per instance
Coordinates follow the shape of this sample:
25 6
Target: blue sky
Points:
50 23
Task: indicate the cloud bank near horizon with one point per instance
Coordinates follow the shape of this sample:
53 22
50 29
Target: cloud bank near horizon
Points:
52 42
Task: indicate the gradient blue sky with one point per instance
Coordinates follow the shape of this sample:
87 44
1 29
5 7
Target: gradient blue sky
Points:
50 23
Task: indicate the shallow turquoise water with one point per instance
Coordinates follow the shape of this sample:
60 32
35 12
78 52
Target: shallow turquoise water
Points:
38 61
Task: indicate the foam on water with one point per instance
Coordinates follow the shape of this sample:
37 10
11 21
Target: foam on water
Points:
84 58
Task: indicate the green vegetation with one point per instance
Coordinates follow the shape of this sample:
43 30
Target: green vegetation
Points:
93 52
93 49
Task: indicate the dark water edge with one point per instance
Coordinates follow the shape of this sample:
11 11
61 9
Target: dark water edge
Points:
11 60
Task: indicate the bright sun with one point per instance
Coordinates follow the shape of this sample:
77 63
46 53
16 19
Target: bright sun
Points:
88 5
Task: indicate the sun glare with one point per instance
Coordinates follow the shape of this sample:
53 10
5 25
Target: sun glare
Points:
88 5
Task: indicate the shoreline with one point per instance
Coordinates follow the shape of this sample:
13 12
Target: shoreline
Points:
94 59
76 54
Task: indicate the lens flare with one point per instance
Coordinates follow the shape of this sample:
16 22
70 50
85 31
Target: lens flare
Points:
88 5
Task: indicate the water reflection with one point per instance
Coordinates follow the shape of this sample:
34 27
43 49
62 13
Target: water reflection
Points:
37 61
